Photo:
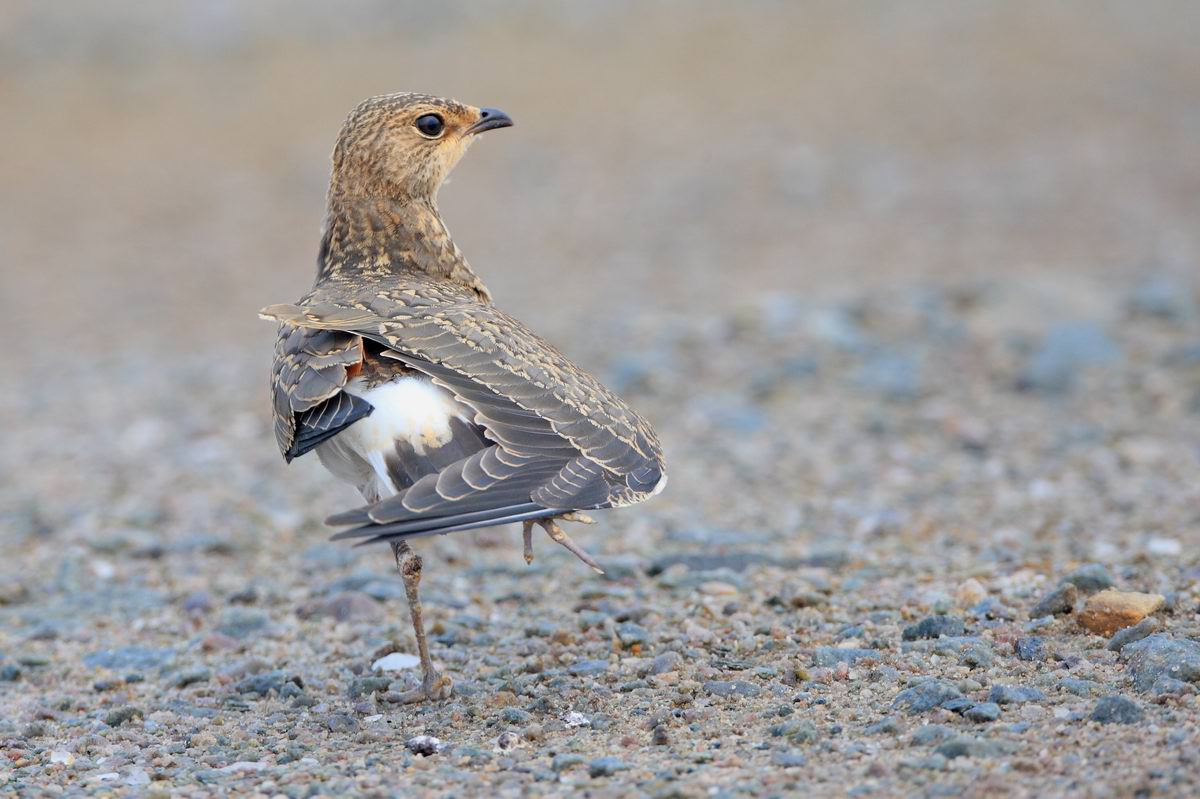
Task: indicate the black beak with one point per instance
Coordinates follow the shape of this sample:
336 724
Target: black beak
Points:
490 119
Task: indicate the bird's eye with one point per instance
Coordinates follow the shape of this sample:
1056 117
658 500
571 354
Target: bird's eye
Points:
430 125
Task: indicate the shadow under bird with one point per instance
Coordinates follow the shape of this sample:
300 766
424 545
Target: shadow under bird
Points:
399 372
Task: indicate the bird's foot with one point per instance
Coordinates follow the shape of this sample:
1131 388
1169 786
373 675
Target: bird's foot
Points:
557 535
434 686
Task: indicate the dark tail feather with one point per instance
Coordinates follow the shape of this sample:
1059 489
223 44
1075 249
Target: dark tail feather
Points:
440 525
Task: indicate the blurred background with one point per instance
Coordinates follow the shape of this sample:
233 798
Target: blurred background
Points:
909 291
164 164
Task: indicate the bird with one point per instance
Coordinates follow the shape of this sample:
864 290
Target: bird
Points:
399 372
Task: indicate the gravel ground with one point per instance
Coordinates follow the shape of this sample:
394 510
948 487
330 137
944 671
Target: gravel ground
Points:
925 360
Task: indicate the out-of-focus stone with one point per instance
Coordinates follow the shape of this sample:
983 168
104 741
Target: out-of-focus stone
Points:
1109 611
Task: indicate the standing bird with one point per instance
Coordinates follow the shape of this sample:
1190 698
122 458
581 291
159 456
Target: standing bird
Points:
446 413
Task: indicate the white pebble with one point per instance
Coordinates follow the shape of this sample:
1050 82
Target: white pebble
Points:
397 661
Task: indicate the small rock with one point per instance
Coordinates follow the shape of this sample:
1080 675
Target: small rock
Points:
888 725
977 655
345 606
789 758
1161 656
1031 648
121 715
1081 687
1110 610
1117 710
1122 638
242 622
576 719
969 593
341 722
588 667
967 747
129 657
934 627
561 763
191 677
984 712
731 688
1090 578
666 662
514 715
630 634
508 740
1059 601
1163 297
926 696
605 766
1066 350
63 757
830 656
1015 694
424 745
396 661
931 734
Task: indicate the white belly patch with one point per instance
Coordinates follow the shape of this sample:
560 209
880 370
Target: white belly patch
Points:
411 410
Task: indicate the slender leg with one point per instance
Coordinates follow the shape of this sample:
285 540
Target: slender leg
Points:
527 534
433 684
558 536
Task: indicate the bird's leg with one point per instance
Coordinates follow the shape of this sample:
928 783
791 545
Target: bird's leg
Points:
556 534
527 535
433 685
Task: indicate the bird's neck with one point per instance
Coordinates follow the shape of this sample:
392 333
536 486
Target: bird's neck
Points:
376 238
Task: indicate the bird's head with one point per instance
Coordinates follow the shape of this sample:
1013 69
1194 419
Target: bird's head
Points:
402 146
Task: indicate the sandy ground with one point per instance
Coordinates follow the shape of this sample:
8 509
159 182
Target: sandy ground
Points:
911 297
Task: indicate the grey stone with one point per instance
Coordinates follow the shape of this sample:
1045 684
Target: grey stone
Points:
561 763
1090 578
191 677
241 622
1117 710
588 668
1163 297
1081 687
341 722
977 655
983 712
892 375
121 715
789 758
1015 694
1065 351
630 634
666 662
830 656
965 746
925 696
934 627
266 683
1160 655
888 725
514 715
731 688
605 766
1059 601
129 657
931 734
1030 648
1127 636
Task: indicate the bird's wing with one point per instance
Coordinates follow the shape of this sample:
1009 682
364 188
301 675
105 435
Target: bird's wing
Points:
563 441
311 366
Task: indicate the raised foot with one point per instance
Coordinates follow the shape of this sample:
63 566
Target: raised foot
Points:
433 687
557 535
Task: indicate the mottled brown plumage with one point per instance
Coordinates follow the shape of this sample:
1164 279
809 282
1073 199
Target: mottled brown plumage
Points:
480 422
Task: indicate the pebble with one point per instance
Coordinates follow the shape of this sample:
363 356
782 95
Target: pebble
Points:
241 622
1160 656
969 593
1117 710
789 758
1111 610
588 668
1015 694
926 695
121 715
983 712
1031 648
396 661
830 656
934 627
1090 578
1059 601
1065 351
732 688
129 657
1137 632
666 662
605 766
931 734
424 745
